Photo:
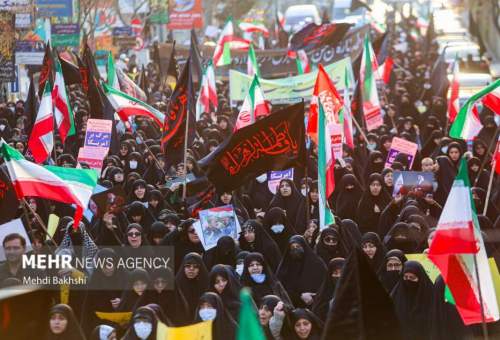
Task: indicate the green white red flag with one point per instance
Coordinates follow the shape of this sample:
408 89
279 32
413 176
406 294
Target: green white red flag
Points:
63 113
368 85
227 41
467 124
254 27
326 179
66 185
252 64
207 97
302 61
254 106
127 106
41 141
458 247
112 77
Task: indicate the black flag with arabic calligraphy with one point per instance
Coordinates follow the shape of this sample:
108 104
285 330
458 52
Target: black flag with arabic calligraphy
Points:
180 109
276 142
313 36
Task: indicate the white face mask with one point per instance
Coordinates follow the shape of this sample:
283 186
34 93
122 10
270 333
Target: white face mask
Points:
133 164
239 268
2 127
262 178
303 191
104 332
371 146
444 149
207 314
277 228
143 329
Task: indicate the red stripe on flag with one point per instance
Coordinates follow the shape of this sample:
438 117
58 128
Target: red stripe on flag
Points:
35 144
44 190
386 77
125 113
62 107
457 239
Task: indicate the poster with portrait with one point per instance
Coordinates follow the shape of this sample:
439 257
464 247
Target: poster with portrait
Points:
215 223
415 183
14 227
109 201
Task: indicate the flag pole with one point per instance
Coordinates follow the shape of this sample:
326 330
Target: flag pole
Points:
157 162
184 189
39 220
483 318
357 125
490 182
488 152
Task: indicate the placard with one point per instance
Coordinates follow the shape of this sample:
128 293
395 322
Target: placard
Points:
14 226
417 183
215 223
400 145
274 178
7 29
98 133
54 8
65 35
185 14
93 157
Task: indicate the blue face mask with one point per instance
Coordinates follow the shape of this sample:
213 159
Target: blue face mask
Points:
207 313
258 278
239 269
277 228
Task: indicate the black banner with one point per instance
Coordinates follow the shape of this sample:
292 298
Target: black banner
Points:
276 142
7 47
313 36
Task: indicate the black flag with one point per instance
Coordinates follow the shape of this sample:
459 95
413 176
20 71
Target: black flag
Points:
439 77
70 71
361 307
313 36
8 199
144 82
276 142
196 59
181 108
31 106
47 72
90 80
171 76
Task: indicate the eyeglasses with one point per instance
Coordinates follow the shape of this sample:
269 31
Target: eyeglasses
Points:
132 234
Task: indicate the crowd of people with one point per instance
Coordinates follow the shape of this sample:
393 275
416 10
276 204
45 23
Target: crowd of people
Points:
290 266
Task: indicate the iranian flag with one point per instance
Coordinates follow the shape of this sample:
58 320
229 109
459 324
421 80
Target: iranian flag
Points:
112 77
252 64
66 185
454 101
492 100
254 106
251 27
458 247
326 179
369 95
345 113
62 109
302 62
467 124
227 41
41 141
324 90
208 92
127 106
385 70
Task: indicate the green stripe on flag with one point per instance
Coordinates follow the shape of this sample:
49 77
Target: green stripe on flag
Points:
86 177
9 153
328 216
458 125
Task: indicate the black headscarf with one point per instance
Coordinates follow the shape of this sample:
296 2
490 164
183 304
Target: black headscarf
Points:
301 274
413 302
224 253
142 313
390 278
270 302
294 205
325 295
366 216
130 300
375 164
231 294
347 200
223 327
263 243
446 322
73 330
277 216
301 313
400 237
192 289
378 259
270 286
328 252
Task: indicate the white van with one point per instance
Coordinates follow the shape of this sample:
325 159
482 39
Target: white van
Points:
298 16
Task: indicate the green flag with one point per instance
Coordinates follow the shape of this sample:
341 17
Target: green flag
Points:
250 328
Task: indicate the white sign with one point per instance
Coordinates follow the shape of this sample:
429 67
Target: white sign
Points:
14 226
